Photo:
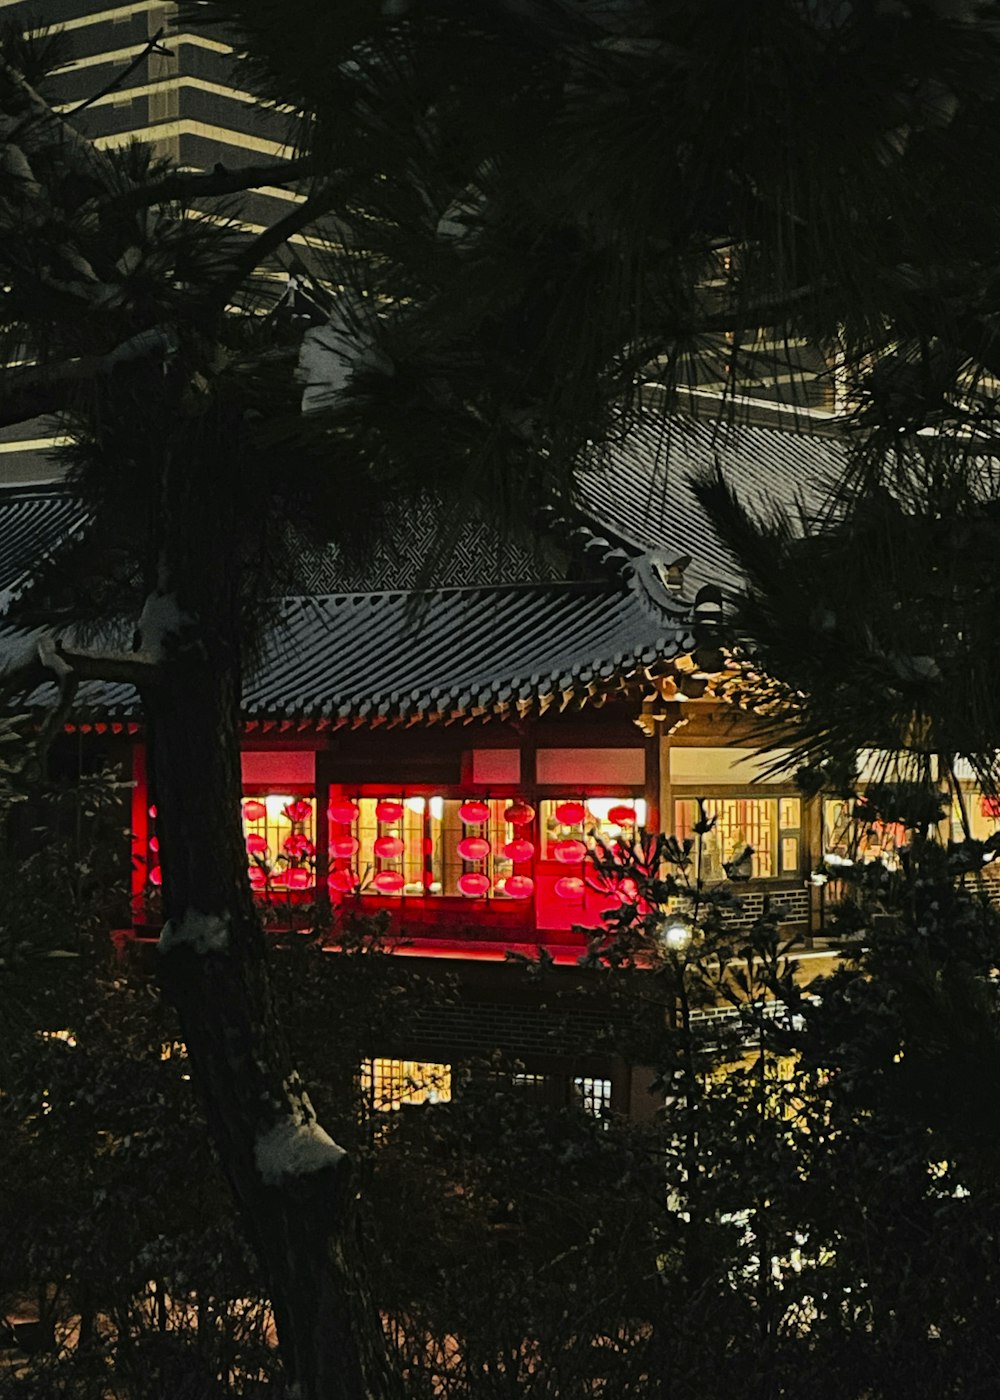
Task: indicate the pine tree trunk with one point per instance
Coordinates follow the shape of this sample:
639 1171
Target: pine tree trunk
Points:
298 1209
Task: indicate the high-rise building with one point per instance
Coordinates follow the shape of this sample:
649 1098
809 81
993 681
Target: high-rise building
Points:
180 94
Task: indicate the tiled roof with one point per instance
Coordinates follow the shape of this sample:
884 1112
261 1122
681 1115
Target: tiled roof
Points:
35 523
373 658
643 497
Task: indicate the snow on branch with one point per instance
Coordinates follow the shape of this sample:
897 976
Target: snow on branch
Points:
202 933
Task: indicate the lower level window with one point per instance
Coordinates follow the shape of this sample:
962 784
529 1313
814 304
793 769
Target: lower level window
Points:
388 1084
593 1096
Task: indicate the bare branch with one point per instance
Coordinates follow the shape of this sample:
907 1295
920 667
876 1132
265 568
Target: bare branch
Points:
153 45
35 391
184 185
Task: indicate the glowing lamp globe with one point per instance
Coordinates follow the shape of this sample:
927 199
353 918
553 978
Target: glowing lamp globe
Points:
388 811
519 813
570 887
256 844
152 811
622 816
342 810
343 881
388 882
570 813
298 810
156 876
569 852
474 813
519 887
258 878
474 848
389 847
298 878
343 847
519 850
297 844
154 844
473 886
254 811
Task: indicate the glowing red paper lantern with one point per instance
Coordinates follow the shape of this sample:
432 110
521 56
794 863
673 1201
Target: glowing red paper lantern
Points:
622 816
570 887
990 807
342 809
154 844
473 886
156 876
519 813
474 848
570 813
256 844
258 877
388 882
519 887
343 881
519 850
254 811
343 847
299 878
298 810
388 811
389 847
474 812
152 811
569 852
297 844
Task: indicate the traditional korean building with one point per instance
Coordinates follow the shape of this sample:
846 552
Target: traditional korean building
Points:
447 755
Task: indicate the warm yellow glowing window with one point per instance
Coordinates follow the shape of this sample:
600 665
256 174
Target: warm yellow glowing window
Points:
388 1084
769 825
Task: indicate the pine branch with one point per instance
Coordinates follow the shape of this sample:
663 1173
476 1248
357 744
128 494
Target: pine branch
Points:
184 185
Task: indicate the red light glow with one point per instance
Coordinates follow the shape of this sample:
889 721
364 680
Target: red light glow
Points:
473 886
519 887
388 882
474 848
570 887
389 847
519 813
519 850
254 811
342 810
388 811
570 813
569 852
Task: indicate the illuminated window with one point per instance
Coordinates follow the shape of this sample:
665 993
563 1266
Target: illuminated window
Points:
388 1084
846 836
593 1096
571 825
280 834
430 845
771 826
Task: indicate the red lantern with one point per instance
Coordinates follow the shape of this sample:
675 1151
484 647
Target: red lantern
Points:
154 844
342 809
569 852
622 816
343 847
258 877
152 811
570 813
298 879
474 812
519 887
343 881
156 876
519 850
388 811
990 807
519 813
473 886
297 844
388 882
474 848
256 844
254 811
389 847
570 887
298 810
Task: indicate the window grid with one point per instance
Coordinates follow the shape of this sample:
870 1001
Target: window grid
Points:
387 1084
